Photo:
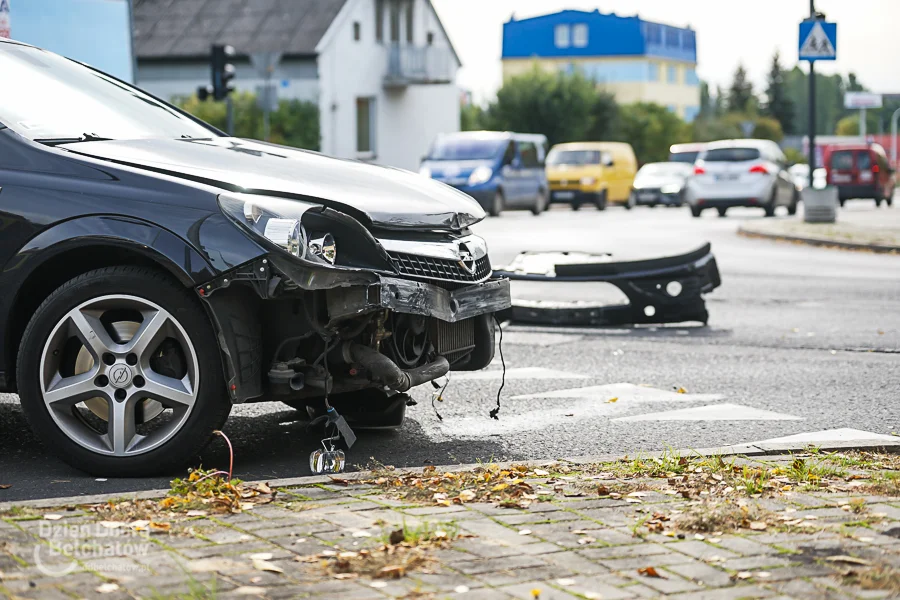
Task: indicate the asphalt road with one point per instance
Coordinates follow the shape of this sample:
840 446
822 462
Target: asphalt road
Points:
800 339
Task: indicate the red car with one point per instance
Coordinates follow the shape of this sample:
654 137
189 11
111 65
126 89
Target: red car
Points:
860 171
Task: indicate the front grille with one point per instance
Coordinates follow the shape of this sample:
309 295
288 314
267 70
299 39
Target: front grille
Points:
443 269
453 341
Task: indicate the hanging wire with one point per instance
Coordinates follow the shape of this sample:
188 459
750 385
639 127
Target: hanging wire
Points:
496 411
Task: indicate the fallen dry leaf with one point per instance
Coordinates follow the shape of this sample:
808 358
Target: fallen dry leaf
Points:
758 525
249 590
107 588
466 496
541 472
650 572
261 556
52 517
264 565
851 560
391 572
681 390
612 400
5 486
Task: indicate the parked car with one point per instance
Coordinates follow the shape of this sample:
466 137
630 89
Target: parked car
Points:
800 175
660 183
155 272
860 171
686 153
741 173
599 173
500 171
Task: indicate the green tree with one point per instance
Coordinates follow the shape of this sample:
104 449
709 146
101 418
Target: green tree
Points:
779 105
295 123
795 156
767 128
558 105
604 117
707 107
740 94
829 100
650 129
471 118
850 125
712 128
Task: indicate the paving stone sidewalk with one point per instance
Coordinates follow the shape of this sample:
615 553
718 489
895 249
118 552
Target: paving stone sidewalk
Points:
565 543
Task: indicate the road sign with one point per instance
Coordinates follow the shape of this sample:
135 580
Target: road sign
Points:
818 40
4 19
859 100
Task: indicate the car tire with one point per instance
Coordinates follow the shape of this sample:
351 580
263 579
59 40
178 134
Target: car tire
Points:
878 202
576 205
841 202
601 201
770 206
722 211
102 303
795 199
631 202
497 204
696 211
540 203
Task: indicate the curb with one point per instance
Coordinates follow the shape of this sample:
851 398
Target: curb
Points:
823 243
750 449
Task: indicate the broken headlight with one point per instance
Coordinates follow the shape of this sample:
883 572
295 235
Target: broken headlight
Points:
279 221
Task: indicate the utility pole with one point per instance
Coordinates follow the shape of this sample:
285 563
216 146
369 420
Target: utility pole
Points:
812 105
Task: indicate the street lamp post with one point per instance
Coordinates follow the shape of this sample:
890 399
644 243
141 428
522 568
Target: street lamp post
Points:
812 106
894 118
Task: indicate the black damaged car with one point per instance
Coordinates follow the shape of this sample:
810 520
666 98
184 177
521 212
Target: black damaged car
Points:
155 272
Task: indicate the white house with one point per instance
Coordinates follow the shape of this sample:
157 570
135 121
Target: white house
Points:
383 72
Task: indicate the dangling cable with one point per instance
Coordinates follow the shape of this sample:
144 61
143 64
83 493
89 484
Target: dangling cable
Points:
438 395
496 411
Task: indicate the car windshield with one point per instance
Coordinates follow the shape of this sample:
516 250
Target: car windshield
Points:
574 157
664 170
842 159
683 157
467 149
731 154
48 97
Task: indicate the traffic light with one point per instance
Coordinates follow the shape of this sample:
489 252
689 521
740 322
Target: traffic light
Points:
222 71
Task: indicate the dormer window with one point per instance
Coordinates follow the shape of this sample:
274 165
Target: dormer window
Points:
580 35
562 36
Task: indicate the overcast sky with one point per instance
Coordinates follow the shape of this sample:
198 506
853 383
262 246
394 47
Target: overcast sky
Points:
728 32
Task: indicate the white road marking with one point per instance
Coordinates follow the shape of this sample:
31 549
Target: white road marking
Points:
594 406
623 391
535 338
831 435
715 412
513 374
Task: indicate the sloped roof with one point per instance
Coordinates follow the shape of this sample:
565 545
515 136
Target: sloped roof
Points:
187 28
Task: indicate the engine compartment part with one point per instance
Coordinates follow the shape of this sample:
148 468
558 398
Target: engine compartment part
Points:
659 290
383 370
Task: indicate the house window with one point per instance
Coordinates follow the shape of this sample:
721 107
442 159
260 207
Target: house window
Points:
409 21
654 72
689 40
580 35
365 127
562 36
654 34
379 20
394 8
690 77
672 74
673 37
430 38
357 31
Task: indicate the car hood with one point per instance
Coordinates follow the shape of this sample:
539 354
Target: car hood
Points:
383 196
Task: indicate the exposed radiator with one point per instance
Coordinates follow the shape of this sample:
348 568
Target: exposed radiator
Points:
452 340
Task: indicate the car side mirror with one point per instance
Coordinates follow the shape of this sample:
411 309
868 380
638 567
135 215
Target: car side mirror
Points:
516 163
608 162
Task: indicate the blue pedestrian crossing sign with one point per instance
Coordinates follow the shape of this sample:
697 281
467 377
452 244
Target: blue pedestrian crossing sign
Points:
818 40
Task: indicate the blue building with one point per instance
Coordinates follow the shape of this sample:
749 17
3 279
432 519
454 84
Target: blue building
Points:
634 59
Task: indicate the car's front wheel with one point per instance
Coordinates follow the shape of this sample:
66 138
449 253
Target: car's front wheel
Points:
497 204
119 373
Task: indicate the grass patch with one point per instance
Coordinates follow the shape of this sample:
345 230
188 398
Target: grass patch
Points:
875 578
712 516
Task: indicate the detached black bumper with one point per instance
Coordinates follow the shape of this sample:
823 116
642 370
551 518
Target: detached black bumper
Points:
419 298
648 284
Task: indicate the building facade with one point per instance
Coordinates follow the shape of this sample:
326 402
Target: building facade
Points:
634 59
382 72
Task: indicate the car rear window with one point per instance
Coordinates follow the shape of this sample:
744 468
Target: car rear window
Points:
731 155
842 160
863 161
684 157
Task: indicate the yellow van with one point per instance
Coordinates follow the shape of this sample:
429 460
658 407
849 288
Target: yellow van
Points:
598 173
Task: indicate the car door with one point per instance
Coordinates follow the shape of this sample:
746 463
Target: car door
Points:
511 171
531 172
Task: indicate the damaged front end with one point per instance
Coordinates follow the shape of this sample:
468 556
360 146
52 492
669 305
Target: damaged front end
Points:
337 310
659 290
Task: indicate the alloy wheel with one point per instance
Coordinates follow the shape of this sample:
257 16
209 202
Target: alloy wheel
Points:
119 375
